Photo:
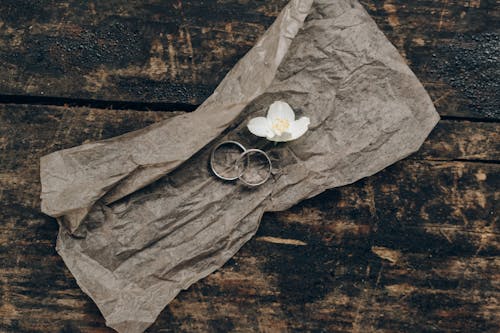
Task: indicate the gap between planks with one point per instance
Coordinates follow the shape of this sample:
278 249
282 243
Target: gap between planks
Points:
95 104
145 106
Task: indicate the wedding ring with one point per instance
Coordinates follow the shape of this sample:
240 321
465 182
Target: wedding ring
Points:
236 162
247 154
241 166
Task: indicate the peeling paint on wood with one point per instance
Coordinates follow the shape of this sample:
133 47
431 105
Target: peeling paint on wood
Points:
284 241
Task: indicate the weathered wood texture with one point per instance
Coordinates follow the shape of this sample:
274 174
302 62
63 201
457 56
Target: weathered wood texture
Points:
177 51
412 249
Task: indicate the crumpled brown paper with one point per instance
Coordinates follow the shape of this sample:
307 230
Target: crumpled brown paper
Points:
141 216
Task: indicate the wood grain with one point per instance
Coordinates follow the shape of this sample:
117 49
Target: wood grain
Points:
452 46
177 51
414 248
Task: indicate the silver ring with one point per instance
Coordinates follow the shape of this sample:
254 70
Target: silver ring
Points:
245 153
213 155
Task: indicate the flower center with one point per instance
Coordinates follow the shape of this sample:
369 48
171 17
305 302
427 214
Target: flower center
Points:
280 125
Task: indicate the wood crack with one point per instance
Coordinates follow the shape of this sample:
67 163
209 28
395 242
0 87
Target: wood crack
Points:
96 104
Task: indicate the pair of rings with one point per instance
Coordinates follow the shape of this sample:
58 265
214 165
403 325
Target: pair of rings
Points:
251 166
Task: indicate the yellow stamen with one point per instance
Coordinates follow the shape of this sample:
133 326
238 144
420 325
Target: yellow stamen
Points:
280 125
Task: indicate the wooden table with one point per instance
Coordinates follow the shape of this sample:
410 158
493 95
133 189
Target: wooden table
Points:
414 248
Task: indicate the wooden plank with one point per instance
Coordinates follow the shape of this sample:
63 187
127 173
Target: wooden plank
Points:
452 46
384 254
462 140
167 51
177 51
414 248
27 131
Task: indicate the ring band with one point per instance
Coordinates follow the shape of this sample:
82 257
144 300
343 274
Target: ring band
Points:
245 154
212 156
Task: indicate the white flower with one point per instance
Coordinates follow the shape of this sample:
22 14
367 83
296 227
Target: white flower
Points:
280 124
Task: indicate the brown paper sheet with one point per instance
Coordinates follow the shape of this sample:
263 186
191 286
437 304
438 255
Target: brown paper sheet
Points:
142 217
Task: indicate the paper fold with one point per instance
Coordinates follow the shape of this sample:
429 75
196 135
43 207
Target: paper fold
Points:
141 216
76 178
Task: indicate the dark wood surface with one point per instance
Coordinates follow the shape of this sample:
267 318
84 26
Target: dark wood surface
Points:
414 248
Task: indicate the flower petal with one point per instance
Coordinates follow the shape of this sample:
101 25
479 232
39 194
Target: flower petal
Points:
299 127
285 136
282 110
260 126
